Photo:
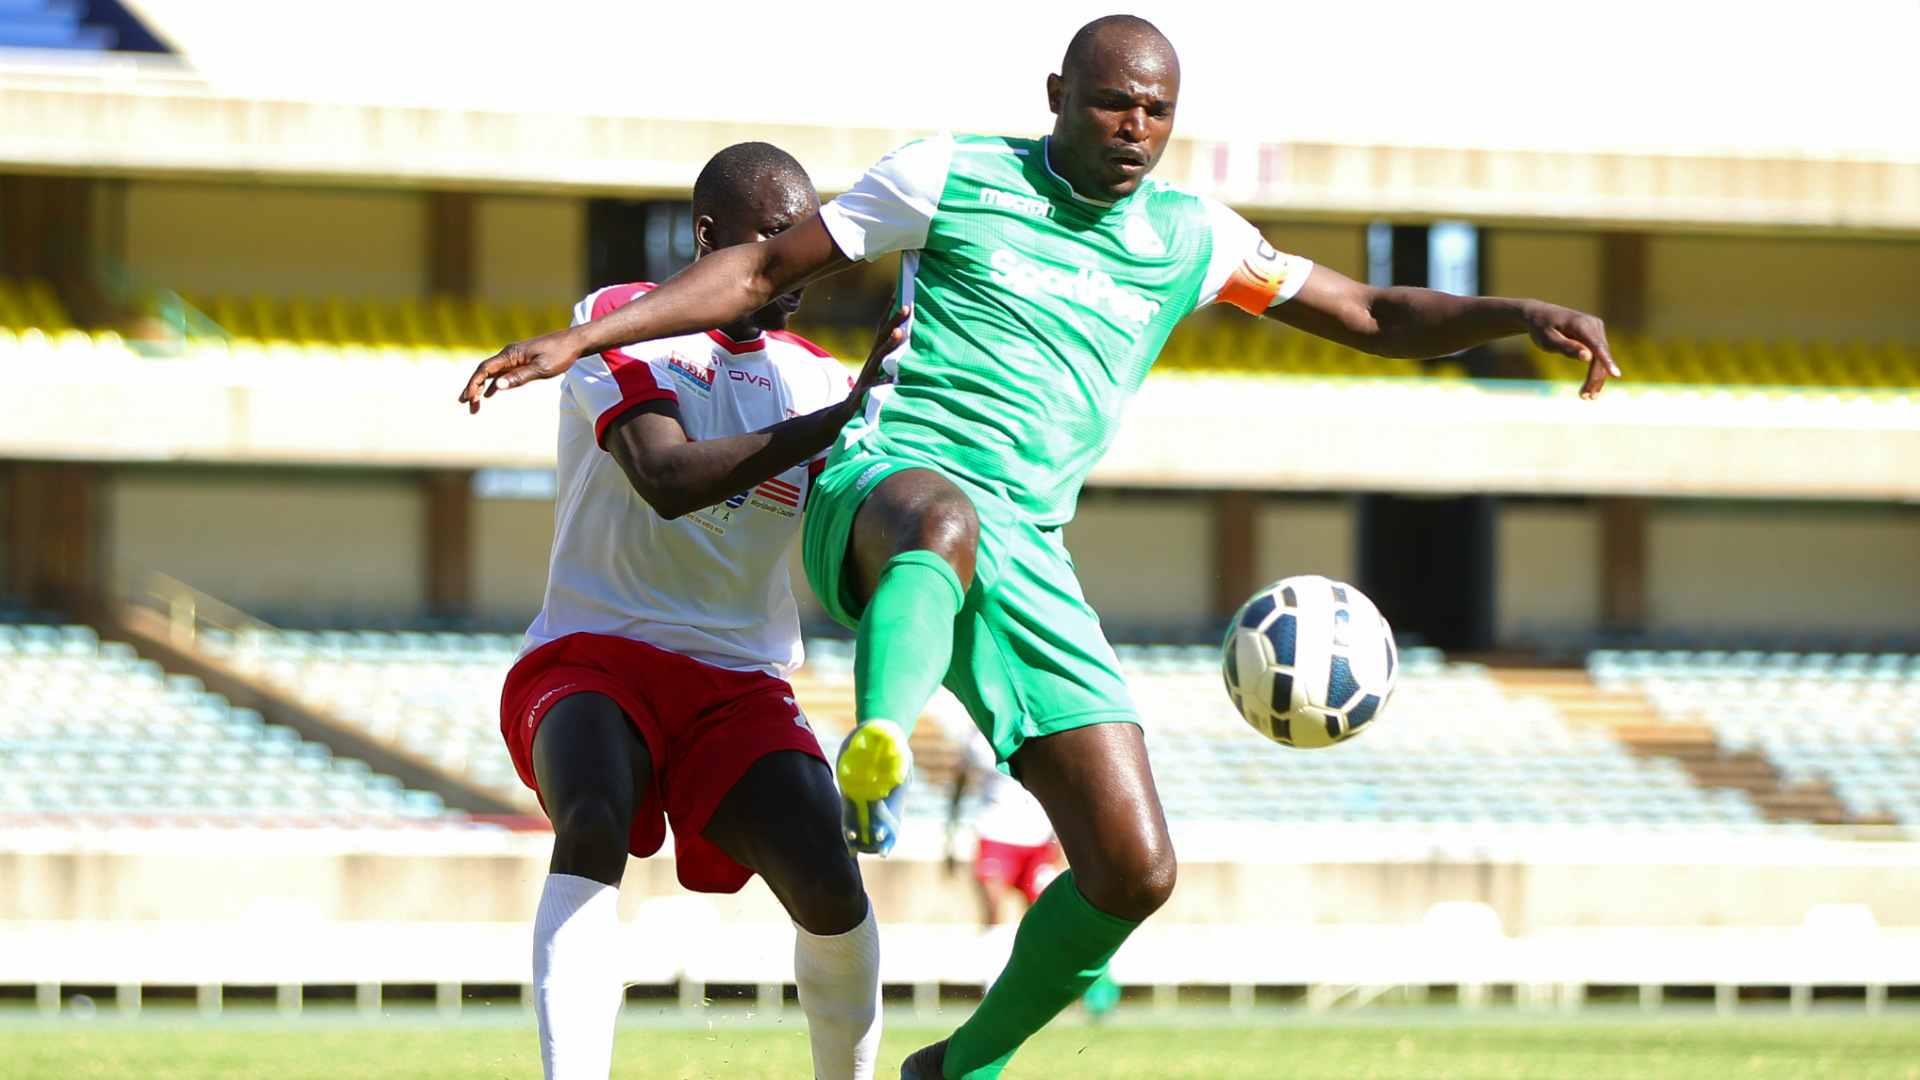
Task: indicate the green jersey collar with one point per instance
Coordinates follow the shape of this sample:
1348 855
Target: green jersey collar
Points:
1046 159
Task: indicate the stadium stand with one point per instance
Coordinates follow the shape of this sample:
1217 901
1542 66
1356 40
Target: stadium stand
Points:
1207 344
1465 748
52 24
435 696
1849 722
89 730
1717 362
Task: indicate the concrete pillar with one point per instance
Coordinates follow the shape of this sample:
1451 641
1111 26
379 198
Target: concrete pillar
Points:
450 243
926 998
1623 282
1726 999
126 997
1623 564
49 228
448 503
366 998
446 998
772 997
54 546
1651 995
1236 518
1240 997
693 993
208 996
288 998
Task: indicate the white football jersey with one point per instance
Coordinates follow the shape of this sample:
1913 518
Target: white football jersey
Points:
711 585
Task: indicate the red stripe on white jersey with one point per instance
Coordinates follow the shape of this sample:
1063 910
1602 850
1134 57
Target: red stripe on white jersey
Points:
792 338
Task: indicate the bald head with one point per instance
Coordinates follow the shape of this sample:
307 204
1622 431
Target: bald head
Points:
1130 39
1114 101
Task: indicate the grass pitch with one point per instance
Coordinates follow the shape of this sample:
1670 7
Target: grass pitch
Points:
1376 1048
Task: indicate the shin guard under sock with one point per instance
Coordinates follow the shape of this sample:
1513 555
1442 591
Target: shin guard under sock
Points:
1063 945
905 641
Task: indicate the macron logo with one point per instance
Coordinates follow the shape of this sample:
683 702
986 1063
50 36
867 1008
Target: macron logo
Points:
1019 204
1088 288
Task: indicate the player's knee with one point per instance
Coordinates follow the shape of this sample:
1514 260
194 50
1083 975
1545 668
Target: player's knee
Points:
590 827
819 881
950 528
1136 887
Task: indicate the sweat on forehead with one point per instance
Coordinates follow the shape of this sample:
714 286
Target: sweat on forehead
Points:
1116 36
732 177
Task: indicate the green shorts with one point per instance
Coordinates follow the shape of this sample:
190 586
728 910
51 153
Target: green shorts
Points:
1028 655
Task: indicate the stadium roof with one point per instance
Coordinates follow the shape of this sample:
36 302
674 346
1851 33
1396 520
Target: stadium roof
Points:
1702 110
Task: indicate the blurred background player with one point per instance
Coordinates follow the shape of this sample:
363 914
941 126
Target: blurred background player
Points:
652 686
1015 851
1045 275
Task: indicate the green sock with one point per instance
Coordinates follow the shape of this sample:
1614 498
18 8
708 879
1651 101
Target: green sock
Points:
905 641
1063 945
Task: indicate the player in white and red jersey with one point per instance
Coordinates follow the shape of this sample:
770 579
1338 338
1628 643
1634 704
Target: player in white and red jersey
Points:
652 690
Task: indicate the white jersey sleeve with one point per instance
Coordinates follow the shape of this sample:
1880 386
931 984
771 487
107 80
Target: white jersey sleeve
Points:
1245 270
891 207
608 384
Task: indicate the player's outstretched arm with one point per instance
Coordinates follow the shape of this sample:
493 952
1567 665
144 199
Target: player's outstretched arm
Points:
1422 323
725 285
677 475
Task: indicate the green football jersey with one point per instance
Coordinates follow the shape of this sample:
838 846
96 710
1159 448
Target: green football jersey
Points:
1037 312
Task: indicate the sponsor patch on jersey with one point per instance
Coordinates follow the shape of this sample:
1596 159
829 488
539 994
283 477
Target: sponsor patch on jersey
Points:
758 502
1088 288
1140 238
1019 204
750 378
692 374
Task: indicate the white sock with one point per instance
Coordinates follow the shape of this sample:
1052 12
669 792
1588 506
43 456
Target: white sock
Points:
576 980
839 981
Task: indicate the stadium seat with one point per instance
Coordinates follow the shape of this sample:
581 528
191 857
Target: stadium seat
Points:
88 729
1849 721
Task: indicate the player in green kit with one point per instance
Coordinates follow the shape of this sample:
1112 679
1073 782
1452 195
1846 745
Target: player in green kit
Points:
1042 276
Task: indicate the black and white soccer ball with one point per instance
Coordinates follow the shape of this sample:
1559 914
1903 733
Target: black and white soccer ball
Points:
1310 661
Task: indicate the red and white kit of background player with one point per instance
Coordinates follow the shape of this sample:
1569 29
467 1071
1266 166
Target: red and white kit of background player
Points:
652 689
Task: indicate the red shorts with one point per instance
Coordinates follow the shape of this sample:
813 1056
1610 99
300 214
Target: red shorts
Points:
704 727
1029 868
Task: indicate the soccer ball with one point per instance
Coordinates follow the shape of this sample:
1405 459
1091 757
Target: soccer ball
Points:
1310 661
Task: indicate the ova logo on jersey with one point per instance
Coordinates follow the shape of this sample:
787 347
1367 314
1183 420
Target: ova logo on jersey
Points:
1088 288
750 378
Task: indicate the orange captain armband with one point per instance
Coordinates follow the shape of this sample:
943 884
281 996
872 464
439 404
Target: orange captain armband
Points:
1257 280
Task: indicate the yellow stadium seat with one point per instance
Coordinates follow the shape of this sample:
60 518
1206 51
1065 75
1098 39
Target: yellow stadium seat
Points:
520 324
340 324
267 325
13 310
485 333
411 323
44 309
233 318
306 326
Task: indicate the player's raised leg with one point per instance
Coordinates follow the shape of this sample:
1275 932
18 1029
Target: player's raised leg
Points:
781 820
593 768
908 565
1099 792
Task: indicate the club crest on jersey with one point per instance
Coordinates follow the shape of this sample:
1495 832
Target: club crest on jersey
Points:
1140 238
695 376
